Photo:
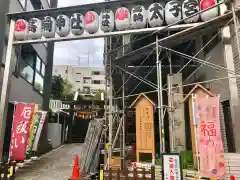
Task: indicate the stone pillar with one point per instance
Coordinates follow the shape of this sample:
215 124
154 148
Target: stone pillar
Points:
176 114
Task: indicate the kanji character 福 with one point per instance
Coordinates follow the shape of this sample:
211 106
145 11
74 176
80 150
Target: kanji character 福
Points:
208 130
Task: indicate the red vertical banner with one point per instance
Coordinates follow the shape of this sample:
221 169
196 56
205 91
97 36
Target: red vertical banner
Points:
20 130
211 152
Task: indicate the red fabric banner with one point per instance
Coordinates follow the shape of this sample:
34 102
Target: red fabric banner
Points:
20 130
211 152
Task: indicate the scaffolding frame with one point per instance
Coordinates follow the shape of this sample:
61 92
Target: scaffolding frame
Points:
112 63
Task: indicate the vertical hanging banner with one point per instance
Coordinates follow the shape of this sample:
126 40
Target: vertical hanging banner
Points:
211 150
34 122
20 130
42 116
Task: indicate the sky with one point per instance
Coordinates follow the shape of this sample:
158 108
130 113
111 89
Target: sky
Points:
76 52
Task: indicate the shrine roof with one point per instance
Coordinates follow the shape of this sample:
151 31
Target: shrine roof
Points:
197 86
141 95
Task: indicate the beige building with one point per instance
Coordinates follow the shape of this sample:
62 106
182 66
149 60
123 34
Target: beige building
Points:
87 80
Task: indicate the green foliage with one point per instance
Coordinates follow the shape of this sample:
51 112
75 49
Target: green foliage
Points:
57 87
67 92
62 88
187 159
97 96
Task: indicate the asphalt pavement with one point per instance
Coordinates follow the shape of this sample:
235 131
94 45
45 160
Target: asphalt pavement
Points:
55 165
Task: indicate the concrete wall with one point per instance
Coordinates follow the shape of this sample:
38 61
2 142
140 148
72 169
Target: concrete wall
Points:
220 87
54 133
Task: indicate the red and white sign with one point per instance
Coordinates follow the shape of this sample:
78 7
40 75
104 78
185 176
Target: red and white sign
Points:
20 130
171 167
122 18
210 143
21 29
211 13
91 19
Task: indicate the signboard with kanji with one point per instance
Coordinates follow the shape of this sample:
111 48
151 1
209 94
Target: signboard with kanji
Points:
145 140
171 167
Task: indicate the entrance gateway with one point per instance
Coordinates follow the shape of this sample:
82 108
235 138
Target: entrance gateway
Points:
108 19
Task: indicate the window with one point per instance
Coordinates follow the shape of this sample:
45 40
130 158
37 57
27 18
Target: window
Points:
86 80
28 54
77 81
38 82
38 65
96 73
43 69
26 71
32 68
96 82
78 73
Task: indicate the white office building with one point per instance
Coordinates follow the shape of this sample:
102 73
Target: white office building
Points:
87 80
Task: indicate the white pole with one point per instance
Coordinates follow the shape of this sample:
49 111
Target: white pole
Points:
160 99
6 83
195 123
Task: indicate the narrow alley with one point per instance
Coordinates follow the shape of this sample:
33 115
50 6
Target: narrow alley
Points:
56 165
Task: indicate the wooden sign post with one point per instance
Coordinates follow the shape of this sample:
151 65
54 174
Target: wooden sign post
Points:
145 141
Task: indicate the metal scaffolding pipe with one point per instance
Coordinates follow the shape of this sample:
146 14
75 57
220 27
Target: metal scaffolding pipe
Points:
160 99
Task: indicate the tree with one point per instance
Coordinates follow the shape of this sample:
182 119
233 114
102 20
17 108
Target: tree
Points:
62 88
57 86
98 94
67 93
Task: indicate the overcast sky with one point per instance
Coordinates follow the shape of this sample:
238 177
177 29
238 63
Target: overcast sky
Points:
73 52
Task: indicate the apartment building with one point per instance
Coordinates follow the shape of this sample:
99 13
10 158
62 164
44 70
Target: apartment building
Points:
87 80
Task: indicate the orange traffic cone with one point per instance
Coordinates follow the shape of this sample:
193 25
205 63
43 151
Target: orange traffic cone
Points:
75 172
